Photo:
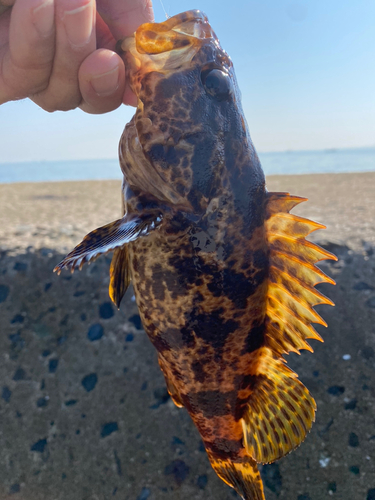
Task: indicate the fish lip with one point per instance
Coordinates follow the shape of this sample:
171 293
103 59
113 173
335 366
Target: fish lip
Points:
185 29
185 23
188 16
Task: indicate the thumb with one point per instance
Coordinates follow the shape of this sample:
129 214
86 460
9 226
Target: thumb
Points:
124 16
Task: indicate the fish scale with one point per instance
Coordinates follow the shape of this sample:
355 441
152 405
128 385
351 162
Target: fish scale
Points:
222 273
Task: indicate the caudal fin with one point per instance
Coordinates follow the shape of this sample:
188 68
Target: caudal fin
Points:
242 475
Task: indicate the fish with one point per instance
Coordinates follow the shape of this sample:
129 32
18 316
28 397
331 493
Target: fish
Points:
223 275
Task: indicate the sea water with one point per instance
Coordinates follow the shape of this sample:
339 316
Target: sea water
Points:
282 163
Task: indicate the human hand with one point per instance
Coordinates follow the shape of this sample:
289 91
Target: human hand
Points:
60 52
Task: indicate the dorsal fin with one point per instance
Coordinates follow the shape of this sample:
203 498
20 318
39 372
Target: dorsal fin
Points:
292 277
281 410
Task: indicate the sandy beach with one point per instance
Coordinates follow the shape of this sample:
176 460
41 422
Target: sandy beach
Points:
84 413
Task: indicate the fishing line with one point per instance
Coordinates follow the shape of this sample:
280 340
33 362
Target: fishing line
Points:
165 12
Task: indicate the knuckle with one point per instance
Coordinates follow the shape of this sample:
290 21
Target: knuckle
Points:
38 88
21 83
38 65
98 108
51 102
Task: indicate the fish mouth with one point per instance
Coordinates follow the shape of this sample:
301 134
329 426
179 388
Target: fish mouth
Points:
177 32
165 46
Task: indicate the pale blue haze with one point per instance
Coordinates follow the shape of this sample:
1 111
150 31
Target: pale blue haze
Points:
305 68
289 162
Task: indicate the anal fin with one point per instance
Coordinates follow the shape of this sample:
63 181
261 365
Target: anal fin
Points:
280 410
108 238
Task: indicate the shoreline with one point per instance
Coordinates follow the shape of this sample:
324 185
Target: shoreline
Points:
357 160
58 214
108 179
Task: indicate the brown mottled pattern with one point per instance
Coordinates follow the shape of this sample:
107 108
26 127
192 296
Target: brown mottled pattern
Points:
198 308
200 280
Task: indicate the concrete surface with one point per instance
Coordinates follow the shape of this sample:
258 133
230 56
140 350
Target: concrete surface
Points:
84 413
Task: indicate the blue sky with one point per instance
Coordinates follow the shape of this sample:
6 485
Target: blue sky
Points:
306 70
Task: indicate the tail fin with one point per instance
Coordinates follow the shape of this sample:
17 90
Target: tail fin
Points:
242 475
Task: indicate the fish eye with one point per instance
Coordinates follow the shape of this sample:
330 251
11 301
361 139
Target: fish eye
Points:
217 83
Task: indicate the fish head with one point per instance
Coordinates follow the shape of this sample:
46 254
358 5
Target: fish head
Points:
189 133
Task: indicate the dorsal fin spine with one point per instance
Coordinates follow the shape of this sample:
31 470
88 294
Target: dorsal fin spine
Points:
272 428
320 297
323 276
314 316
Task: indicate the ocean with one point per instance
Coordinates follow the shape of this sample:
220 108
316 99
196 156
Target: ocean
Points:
282 163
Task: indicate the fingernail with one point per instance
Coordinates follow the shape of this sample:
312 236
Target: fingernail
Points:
43 17
79 24
106 83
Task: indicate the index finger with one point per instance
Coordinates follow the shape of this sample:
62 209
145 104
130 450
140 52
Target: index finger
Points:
5 5
124 16
3 8
26 61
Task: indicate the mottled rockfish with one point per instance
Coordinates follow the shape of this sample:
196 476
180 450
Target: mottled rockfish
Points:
222 274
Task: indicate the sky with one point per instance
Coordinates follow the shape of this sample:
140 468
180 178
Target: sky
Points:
306 70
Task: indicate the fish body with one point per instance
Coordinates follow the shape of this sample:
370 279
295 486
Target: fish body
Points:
222 274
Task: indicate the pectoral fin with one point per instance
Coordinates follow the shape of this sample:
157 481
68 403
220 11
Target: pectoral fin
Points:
119 273
109 237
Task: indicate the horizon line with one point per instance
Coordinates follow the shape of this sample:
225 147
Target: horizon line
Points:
285 151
